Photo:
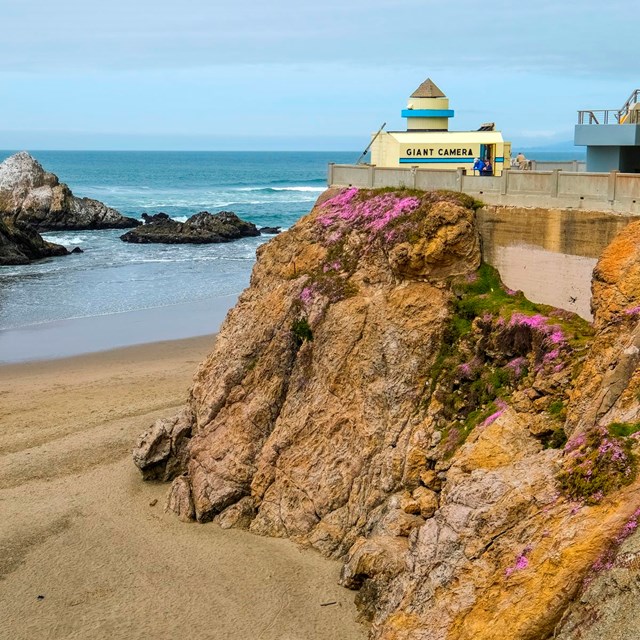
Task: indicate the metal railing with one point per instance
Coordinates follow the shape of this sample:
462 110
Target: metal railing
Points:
632 100
599 116
611 116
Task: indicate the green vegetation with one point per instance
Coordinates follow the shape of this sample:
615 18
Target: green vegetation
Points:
596 463
623 429
495 343
455 434
301 331
557 410
555 440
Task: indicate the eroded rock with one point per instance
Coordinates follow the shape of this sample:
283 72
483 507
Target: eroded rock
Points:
29 195
20 244
202 228
161 452
366 397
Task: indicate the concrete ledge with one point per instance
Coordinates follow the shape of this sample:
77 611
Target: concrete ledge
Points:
611 192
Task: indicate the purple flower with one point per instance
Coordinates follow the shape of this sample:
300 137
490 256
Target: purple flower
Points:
517 366
373 214
521 562
306 295
494 416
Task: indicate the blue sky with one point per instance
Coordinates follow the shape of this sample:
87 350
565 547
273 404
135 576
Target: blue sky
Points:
285 74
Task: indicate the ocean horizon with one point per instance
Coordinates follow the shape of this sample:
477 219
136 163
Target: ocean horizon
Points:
268 188
111 276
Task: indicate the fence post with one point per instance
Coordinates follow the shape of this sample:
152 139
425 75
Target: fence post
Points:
575 166
555 176
413 177
330 175
504 184
371 178
459 177
611 185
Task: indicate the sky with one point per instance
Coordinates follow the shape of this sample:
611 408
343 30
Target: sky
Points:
289 74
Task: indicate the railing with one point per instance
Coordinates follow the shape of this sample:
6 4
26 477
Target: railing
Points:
610 116
599 116
624 112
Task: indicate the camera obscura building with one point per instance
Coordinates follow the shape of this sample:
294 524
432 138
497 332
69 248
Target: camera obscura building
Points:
427 143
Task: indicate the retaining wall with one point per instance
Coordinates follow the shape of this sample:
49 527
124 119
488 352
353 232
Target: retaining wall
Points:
613 192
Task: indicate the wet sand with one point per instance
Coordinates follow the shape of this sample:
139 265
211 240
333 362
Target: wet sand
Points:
75 336
86 552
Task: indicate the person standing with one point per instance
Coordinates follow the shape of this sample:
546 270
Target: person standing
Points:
478 166
522 161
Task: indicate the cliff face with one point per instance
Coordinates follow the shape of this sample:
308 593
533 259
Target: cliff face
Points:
30 195
376 393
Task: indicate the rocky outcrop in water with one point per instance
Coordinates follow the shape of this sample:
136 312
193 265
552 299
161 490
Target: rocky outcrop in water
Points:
30 195
379 395
202 228
19 244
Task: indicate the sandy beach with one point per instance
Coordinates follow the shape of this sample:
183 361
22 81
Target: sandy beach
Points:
86 550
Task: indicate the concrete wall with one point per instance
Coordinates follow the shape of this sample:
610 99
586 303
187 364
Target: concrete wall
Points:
607 135
572 165
549 254
613 191
603 158
542 230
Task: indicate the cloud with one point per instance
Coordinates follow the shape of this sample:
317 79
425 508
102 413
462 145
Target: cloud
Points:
142 34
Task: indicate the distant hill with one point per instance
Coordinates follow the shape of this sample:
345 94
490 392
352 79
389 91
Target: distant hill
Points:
563 147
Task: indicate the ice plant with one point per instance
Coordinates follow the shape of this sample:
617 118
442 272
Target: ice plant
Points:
306 295
595 464
517 366
494 416
521 562
372 214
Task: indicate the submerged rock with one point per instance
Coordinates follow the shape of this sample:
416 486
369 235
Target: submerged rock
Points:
20 244
203 228
377 394
30 195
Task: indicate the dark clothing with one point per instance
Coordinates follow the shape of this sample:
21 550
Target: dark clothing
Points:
487 170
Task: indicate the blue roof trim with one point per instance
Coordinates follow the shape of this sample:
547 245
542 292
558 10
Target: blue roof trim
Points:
427 113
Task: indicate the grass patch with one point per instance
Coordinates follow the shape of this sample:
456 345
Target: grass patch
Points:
557 439
623 429
301 331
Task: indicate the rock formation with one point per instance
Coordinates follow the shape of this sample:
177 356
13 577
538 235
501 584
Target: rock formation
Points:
203 228
377 394
19 244
30 195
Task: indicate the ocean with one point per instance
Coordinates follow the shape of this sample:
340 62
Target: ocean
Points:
111 276
115 293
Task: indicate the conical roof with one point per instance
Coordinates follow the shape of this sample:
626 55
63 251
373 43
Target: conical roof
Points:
428 89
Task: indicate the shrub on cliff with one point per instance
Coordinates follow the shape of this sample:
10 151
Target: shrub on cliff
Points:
596 463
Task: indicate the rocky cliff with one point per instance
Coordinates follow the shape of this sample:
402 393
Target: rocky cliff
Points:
379 395
30 195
